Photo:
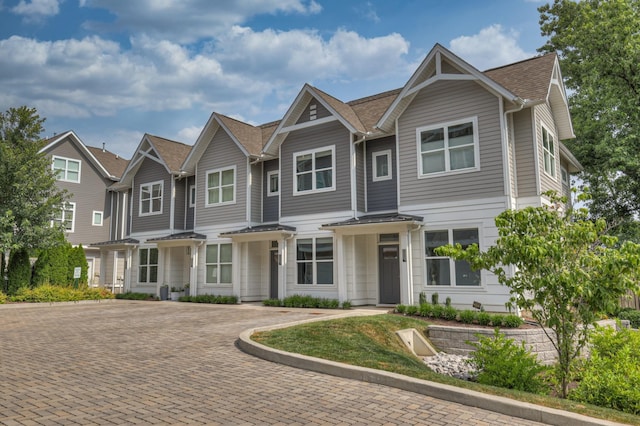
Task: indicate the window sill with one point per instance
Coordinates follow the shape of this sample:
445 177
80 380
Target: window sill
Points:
448 173
313 191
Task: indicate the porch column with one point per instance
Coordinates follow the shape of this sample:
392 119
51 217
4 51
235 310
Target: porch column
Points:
127 269
406 295
161 266
340 260
282 268
236 265
193 271
103 267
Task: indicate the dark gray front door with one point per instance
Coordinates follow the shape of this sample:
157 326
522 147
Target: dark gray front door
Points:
389 274
273 281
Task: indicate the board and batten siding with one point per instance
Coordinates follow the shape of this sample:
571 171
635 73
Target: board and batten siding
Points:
360 178
320 136
190 215
544 118
525 154
444 102
151 171
383 194
89 195
256 193
320 112
181 201
270 205
221 153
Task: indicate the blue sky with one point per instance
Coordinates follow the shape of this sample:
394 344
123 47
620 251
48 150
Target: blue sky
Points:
112 70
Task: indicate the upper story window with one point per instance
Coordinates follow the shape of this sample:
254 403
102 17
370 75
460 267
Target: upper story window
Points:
314 170
192 196
448 147
66 216
444 270
221 186
565 176
273 183
97 218
381 165
548 153
66 169
151 198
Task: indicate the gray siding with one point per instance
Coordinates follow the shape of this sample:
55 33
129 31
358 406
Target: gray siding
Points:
151 171
191 180
547 183
181 201
382 195
321 112
525 154
360 178
443 102
120 215
88 195
320 136
270 205
222 152
256 193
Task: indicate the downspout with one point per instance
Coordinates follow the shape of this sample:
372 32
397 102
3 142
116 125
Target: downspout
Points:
354 174
505 135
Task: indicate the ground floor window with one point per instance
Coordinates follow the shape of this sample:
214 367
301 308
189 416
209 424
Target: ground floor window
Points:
148 269
314 258
444 270
218 264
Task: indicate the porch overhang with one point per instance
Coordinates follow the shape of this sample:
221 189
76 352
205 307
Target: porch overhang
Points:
117 244
178 240
375 223
275 231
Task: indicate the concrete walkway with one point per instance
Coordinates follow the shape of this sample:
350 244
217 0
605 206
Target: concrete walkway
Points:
121 362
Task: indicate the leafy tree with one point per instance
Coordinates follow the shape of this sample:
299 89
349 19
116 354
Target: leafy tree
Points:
560 267
598 43
76 257
19 271
29 198
52 266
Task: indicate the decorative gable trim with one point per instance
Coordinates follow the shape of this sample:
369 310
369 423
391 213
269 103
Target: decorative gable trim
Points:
83 148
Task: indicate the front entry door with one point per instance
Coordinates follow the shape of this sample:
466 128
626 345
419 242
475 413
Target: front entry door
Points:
389 274
273 269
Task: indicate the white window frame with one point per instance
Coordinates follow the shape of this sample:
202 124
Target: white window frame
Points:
452 262
150 185
374 166
192 195
220 186
148 265
315 261
548 153
446 149
93 218
218 264
564 173
269 175
66 168
313 171
63 215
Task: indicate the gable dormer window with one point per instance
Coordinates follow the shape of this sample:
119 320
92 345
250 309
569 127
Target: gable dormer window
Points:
314 170
151 198
448 147
221 186
312 112
66 169
548 153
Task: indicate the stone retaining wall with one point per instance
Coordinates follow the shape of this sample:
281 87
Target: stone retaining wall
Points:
453 340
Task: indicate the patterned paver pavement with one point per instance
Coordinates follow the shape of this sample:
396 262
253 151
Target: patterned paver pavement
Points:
176 363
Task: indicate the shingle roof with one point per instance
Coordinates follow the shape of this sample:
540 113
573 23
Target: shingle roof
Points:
173 153
528 79
343 109
369 109
113 163
249 136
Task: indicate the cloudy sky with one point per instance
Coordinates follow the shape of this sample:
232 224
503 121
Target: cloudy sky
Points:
112 70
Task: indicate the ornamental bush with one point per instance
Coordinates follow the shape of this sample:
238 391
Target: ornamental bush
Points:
632 316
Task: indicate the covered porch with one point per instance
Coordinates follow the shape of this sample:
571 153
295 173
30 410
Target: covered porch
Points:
115 263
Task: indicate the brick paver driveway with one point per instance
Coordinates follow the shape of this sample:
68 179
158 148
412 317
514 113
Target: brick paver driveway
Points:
161 362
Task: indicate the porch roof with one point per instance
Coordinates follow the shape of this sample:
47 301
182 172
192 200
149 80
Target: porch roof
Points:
116 243
376 219
275 227
181 236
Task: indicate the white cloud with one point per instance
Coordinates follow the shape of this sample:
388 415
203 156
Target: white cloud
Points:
37 9
189 135
491 47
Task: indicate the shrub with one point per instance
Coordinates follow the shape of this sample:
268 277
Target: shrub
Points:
512 321
434 298
302 301
631 315
18 270
449 313
422 298
447 301
135 296
468 316
51 293
484 318
500 362
346 304
3 298
411 310
272 302
611 376
437 311
497 320
401 309
425 309
210 298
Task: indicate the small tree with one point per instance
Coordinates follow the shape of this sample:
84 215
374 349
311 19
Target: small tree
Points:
52 266
19 271
76 257
560 267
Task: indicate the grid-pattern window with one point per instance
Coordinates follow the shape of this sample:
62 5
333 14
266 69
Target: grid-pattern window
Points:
148 268
66 216
314 170
218 264
151 198
314 257
447 148
548 153
66 169
221 186
444 270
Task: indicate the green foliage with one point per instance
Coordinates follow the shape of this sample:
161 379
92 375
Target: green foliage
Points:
560 267
75 258
434 298
401 309
512 321
51 293
468 316
3 298
272 302
425 309
422 298
449 313
497 320
611 375
135 296
447 301
437 311
411 310
346 304
500 362
484 318
19 270
210 298
52 265
598 43
631 315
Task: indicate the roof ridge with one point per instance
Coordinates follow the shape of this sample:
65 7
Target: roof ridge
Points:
374 97
519 62
168 140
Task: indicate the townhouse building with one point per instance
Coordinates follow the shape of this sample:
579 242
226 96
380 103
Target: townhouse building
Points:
349 200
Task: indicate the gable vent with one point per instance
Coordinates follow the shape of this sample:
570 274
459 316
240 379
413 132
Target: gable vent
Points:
312 112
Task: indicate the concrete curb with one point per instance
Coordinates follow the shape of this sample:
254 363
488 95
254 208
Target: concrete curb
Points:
467 397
